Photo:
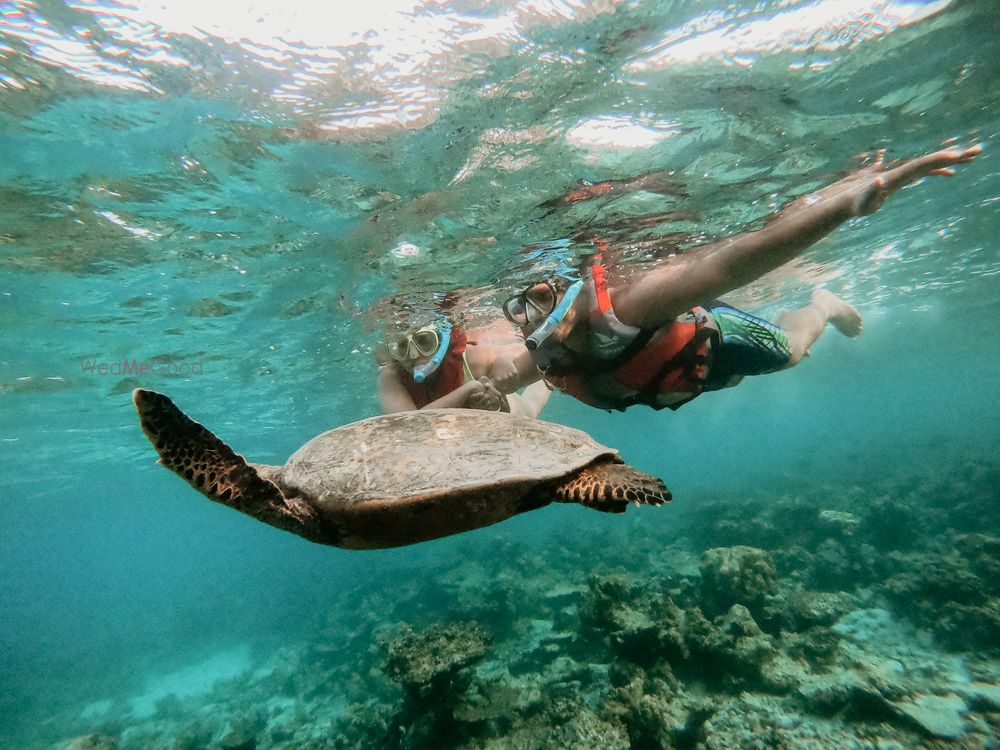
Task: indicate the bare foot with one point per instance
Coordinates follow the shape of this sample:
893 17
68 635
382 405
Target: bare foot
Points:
844 317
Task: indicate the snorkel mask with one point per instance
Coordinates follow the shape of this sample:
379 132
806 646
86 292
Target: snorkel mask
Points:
422 372
517 308
432 341
538 336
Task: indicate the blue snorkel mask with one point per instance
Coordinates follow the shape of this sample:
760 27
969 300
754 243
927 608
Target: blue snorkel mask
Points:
422 372
432 341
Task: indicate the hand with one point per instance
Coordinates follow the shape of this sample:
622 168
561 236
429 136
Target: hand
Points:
487 397
877 183
504 375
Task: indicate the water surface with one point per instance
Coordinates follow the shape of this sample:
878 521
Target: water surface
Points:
246 195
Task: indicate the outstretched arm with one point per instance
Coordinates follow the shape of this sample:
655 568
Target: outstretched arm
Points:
710 271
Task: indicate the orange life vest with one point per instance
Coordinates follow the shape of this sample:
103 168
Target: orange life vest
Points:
664 368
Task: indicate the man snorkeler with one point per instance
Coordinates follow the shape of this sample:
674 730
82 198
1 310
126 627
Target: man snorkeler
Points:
438 366
659 339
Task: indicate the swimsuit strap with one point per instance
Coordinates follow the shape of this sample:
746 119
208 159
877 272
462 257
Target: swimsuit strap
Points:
467 376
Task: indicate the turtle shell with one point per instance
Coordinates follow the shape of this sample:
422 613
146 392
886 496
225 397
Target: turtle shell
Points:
411 476
419 453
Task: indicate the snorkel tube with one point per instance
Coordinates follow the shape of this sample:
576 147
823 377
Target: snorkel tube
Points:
537 338
422 372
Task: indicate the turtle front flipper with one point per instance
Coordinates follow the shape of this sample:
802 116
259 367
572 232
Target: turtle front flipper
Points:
609 486
218 472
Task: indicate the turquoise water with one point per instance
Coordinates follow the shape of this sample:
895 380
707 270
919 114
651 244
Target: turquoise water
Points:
253 193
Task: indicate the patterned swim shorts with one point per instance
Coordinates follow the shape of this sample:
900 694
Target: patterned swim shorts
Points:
748 345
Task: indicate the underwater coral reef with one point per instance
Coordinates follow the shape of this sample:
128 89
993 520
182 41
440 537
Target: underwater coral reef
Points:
868 619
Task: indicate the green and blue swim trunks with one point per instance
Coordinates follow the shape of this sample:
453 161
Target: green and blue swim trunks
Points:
748 345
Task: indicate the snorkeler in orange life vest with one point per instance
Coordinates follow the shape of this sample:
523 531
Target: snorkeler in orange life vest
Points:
657 339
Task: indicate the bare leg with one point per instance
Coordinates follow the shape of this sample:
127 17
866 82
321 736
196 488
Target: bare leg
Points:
805 325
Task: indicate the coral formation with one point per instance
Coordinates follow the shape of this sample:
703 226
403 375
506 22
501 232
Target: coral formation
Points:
426 663
736 575
92 742
951 589
781 622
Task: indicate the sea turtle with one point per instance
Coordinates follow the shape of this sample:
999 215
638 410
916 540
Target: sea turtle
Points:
401 478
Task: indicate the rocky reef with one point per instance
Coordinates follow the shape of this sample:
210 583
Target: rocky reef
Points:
780 621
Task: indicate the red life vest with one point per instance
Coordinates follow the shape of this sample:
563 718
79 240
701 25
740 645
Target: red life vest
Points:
664 368
449 376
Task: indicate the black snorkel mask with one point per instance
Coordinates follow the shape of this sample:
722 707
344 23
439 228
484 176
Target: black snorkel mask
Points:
539 302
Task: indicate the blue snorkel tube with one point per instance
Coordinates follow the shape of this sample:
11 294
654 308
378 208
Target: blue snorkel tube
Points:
422 372
537 338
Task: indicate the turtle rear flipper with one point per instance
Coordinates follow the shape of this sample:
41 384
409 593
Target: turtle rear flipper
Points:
610 486
217 471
